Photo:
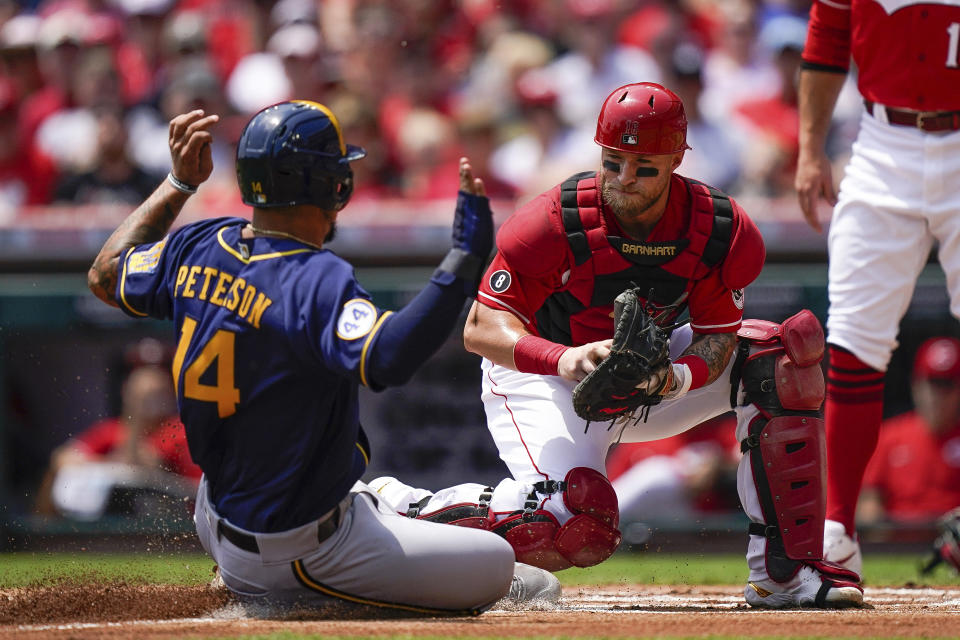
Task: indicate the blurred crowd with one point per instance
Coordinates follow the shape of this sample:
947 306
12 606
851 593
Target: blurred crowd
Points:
87 88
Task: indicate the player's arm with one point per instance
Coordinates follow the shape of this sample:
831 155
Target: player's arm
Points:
191 165
708 355
501 337
408 337
826 58
818 96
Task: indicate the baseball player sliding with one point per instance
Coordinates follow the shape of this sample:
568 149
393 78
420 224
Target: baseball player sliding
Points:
589 278
900 193
275 335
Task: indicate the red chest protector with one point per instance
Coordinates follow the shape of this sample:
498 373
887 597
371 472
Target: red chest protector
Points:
605 265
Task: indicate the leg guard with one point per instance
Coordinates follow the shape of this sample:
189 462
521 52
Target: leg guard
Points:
586 539
779 366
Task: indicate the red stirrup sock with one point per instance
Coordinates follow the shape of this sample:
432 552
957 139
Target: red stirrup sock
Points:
853 412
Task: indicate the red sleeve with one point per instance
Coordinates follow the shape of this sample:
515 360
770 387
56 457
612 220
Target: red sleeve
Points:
747 251
714 307
102 437
532 255
170 441
828 36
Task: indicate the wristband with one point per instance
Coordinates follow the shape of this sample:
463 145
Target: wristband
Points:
180 185
682 378
532 354
699 371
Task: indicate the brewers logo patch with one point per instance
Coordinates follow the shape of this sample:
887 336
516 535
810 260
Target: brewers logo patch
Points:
737 298
356 320
146 261
500 281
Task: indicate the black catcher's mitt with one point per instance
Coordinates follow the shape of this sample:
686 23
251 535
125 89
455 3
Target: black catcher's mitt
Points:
634 373
946 548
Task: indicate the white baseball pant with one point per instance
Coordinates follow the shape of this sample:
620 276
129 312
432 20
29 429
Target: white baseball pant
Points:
375 558
899 194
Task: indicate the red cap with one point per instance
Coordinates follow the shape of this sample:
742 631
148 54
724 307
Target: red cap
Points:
938 358
534 88
644 118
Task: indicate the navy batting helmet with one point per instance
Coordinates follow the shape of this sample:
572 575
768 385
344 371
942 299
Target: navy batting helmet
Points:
293 153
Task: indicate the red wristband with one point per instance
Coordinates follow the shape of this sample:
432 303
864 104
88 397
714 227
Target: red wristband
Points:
532 354
699 371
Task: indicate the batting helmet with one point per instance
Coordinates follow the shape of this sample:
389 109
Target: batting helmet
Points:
293 153
644 118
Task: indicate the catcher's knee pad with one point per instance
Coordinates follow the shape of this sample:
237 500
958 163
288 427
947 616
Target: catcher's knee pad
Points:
467 514
779 366
586 539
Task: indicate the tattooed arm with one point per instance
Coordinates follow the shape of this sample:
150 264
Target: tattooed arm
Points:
192 164
715 349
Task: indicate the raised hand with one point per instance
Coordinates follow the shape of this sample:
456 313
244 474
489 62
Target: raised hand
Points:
473 220
190 139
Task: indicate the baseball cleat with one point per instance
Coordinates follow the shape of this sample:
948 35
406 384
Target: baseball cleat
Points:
839 548
532 583
217 581
809 588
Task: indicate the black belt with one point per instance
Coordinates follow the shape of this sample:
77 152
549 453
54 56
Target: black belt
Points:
925 120
247 542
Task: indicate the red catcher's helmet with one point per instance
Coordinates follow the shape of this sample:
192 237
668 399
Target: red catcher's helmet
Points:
644 118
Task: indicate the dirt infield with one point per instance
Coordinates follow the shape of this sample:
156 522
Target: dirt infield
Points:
148 611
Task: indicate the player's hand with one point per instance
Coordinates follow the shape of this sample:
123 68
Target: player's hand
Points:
190 139
473 220
814 179
576 363
469 183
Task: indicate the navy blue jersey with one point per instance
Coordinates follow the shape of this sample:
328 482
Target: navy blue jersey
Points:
273 340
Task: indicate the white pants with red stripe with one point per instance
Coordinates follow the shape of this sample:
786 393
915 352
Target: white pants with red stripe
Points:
899 195
375 558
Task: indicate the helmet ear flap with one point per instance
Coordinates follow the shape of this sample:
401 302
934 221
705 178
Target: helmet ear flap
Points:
343 189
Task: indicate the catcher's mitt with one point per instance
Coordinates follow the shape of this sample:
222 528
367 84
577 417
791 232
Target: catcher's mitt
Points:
946 548
634 373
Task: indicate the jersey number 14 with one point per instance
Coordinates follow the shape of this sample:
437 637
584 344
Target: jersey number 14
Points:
219 348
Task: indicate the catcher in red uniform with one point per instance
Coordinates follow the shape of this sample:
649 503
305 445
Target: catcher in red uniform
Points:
578 320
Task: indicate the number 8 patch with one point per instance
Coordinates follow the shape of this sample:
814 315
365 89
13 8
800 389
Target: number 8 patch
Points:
500 281
356 320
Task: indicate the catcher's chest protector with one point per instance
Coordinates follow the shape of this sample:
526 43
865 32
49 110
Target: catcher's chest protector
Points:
606 265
